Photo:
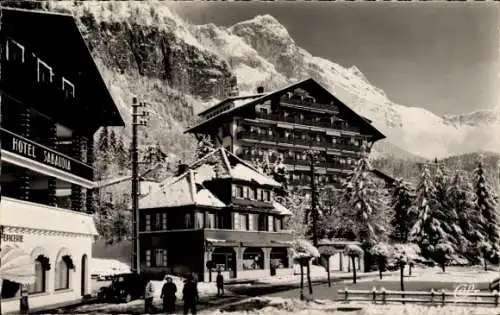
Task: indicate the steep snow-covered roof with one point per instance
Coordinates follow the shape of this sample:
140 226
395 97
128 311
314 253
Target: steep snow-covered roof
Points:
188 188
179 191
221 163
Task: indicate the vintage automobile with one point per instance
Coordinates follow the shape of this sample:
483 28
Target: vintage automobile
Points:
124 287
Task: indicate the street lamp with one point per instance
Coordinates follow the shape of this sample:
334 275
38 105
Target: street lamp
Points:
139 118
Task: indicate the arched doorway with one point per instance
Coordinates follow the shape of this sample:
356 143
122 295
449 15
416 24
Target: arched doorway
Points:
224 258
84 275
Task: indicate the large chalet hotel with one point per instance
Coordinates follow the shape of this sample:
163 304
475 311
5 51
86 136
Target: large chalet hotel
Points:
282 125
53 100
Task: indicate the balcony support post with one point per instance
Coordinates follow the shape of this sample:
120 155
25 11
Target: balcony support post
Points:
239 258
267 258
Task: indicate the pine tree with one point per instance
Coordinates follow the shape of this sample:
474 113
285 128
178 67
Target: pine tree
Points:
121 153
461 200
428 230
370 211
405 212
103 142
446 214
486 204
112 141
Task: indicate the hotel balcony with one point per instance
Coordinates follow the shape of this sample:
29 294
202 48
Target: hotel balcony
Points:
305 122
302 103
309 143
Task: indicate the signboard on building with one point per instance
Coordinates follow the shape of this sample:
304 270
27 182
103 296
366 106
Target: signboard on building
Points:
12 238
34 151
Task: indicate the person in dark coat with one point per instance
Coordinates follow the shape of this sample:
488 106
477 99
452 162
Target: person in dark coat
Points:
190 295
168 295
220 283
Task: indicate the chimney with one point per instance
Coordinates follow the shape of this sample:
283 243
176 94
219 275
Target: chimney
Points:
260 89
181 168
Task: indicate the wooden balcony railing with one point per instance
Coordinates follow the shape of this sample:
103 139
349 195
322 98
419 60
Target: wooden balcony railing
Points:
306 122
328 107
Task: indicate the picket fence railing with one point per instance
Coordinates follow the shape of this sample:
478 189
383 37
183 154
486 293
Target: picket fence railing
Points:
442 297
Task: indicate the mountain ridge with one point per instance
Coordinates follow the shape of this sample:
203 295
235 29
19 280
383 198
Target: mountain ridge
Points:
190 66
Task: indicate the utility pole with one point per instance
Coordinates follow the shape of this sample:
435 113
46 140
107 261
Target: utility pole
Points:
138 119
1 226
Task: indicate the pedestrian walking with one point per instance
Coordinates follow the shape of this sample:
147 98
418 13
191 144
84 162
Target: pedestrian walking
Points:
148 298
190 295
168 295
220 283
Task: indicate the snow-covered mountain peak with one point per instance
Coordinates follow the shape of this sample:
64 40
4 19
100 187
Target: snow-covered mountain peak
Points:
266 25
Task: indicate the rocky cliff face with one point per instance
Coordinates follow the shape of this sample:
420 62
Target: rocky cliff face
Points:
154 51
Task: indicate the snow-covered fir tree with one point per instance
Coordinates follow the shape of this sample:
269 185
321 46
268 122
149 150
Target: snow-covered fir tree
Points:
444 213
370 210
487 207
428 230
153 155
405 212
461 199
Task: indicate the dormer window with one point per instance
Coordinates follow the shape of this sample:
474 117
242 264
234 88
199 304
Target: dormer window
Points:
14 51
68 88
44 72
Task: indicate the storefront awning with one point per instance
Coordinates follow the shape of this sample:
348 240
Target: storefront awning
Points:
16 265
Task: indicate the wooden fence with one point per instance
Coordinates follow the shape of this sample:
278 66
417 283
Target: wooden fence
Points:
442 297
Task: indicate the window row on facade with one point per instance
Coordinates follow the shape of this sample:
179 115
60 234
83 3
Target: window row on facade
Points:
291 156
301 136
307 119
162 221
251 193
15 53
257 222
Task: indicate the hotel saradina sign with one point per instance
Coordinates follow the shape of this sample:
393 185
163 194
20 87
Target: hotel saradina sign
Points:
31 150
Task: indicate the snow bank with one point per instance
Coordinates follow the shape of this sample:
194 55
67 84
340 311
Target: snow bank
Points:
279 306
108 267
459 275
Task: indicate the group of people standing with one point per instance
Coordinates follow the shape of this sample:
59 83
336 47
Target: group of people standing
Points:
190 295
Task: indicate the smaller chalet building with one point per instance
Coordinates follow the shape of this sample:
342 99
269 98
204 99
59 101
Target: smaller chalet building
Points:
219 210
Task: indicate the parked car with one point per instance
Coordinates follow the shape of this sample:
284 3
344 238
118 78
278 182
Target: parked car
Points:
495 285
124 287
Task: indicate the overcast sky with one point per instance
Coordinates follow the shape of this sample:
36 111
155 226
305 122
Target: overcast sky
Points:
443 57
